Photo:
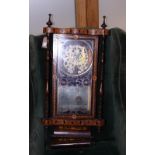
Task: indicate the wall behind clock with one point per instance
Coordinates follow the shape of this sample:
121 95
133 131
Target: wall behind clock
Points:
64 13
115 10
63 10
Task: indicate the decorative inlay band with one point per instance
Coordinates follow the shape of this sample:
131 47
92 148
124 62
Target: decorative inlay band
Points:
76 31
69 122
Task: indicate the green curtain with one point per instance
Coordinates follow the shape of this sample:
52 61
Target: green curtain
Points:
112 140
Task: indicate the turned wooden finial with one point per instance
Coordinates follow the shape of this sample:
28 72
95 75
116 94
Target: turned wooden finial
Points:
49 23
104 25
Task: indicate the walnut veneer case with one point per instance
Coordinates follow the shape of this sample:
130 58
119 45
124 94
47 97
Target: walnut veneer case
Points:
74 85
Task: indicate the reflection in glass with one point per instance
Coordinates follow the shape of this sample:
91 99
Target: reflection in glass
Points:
74 61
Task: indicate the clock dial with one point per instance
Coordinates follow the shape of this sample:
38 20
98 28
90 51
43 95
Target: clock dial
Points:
77 60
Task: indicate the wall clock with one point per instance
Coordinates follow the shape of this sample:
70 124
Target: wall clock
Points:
74 84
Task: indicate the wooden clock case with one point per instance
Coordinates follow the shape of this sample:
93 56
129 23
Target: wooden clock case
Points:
73 128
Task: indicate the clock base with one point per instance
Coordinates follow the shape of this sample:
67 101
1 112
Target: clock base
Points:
71 133
69 142
70 137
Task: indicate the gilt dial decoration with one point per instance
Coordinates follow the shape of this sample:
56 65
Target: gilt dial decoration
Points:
76 60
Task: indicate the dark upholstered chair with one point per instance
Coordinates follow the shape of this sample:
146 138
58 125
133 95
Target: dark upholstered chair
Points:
112 140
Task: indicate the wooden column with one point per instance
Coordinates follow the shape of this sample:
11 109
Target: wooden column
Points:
87 13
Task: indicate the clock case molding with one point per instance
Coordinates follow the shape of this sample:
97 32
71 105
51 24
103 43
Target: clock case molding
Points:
73 129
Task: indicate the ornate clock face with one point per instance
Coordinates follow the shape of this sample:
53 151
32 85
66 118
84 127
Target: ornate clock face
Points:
76 60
